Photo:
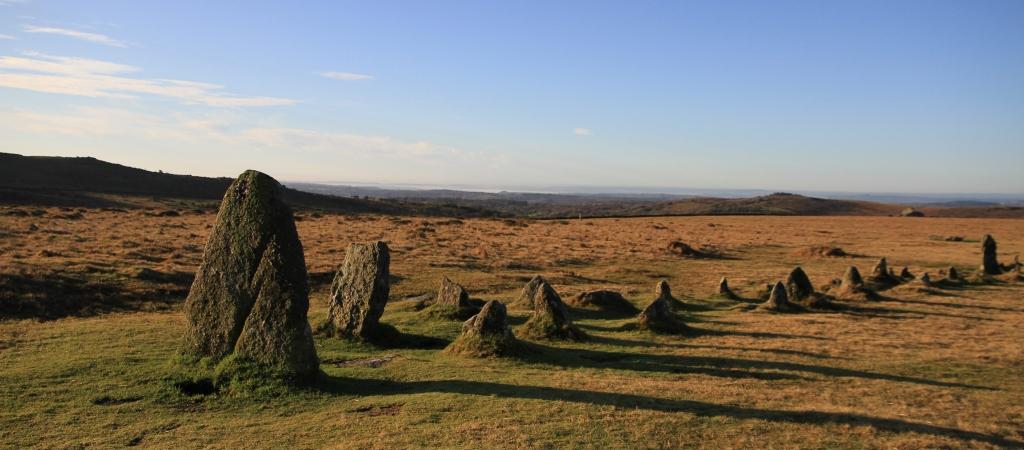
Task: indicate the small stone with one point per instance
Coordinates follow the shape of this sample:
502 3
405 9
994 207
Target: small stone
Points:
852 286
926 280
778 301
452 301
952 274
486 334
550 319
724 291
529 290
658 315
905 273
881 276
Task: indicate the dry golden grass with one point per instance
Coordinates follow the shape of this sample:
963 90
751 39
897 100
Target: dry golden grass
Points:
942 368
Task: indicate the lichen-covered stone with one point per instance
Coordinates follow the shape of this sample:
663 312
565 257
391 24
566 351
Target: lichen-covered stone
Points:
485 334
250 296
452 301
550 318
360 292
529 290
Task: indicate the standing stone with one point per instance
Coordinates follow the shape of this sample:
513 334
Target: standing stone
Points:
658 315
529 290
926 280
485 334
778 301
662 289
852 278
798 286
881 275
905 273
452 301
852 286
359 292
250 296
550 319
725 292
989 261
952 274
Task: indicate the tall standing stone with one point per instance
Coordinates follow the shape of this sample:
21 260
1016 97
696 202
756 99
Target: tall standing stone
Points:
989 261
550 319
360 292
250 296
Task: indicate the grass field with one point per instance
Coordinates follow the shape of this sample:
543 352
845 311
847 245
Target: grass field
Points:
919 368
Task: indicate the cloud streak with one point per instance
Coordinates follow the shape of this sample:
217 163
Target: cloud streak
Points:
102 79
581 131
220 131
346 76
7 37
75 34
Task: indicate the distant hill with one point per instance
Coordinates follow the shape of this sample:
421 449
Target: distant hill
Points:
86 181
63 181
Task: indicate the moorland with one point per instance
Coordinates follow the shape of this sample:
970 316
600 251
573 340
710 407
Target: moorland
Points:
91 306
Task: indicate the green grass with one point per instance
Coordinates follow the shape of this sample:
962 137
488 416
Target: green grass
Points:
107 382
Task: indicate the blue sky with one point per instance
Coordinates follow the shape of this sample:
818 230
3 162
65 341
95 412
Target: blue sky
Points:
893 96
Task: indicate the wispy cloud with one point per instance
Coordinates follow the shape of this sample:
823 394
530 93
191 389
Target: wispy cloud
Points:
346 76
581 131
11 2
75 34
7 37
95 78
218 130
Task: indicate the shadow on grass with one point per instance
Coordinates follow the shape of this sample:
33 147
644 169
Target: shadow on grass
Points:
954 305
363 387
707 365
757 334
778 351
896 313
52 296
